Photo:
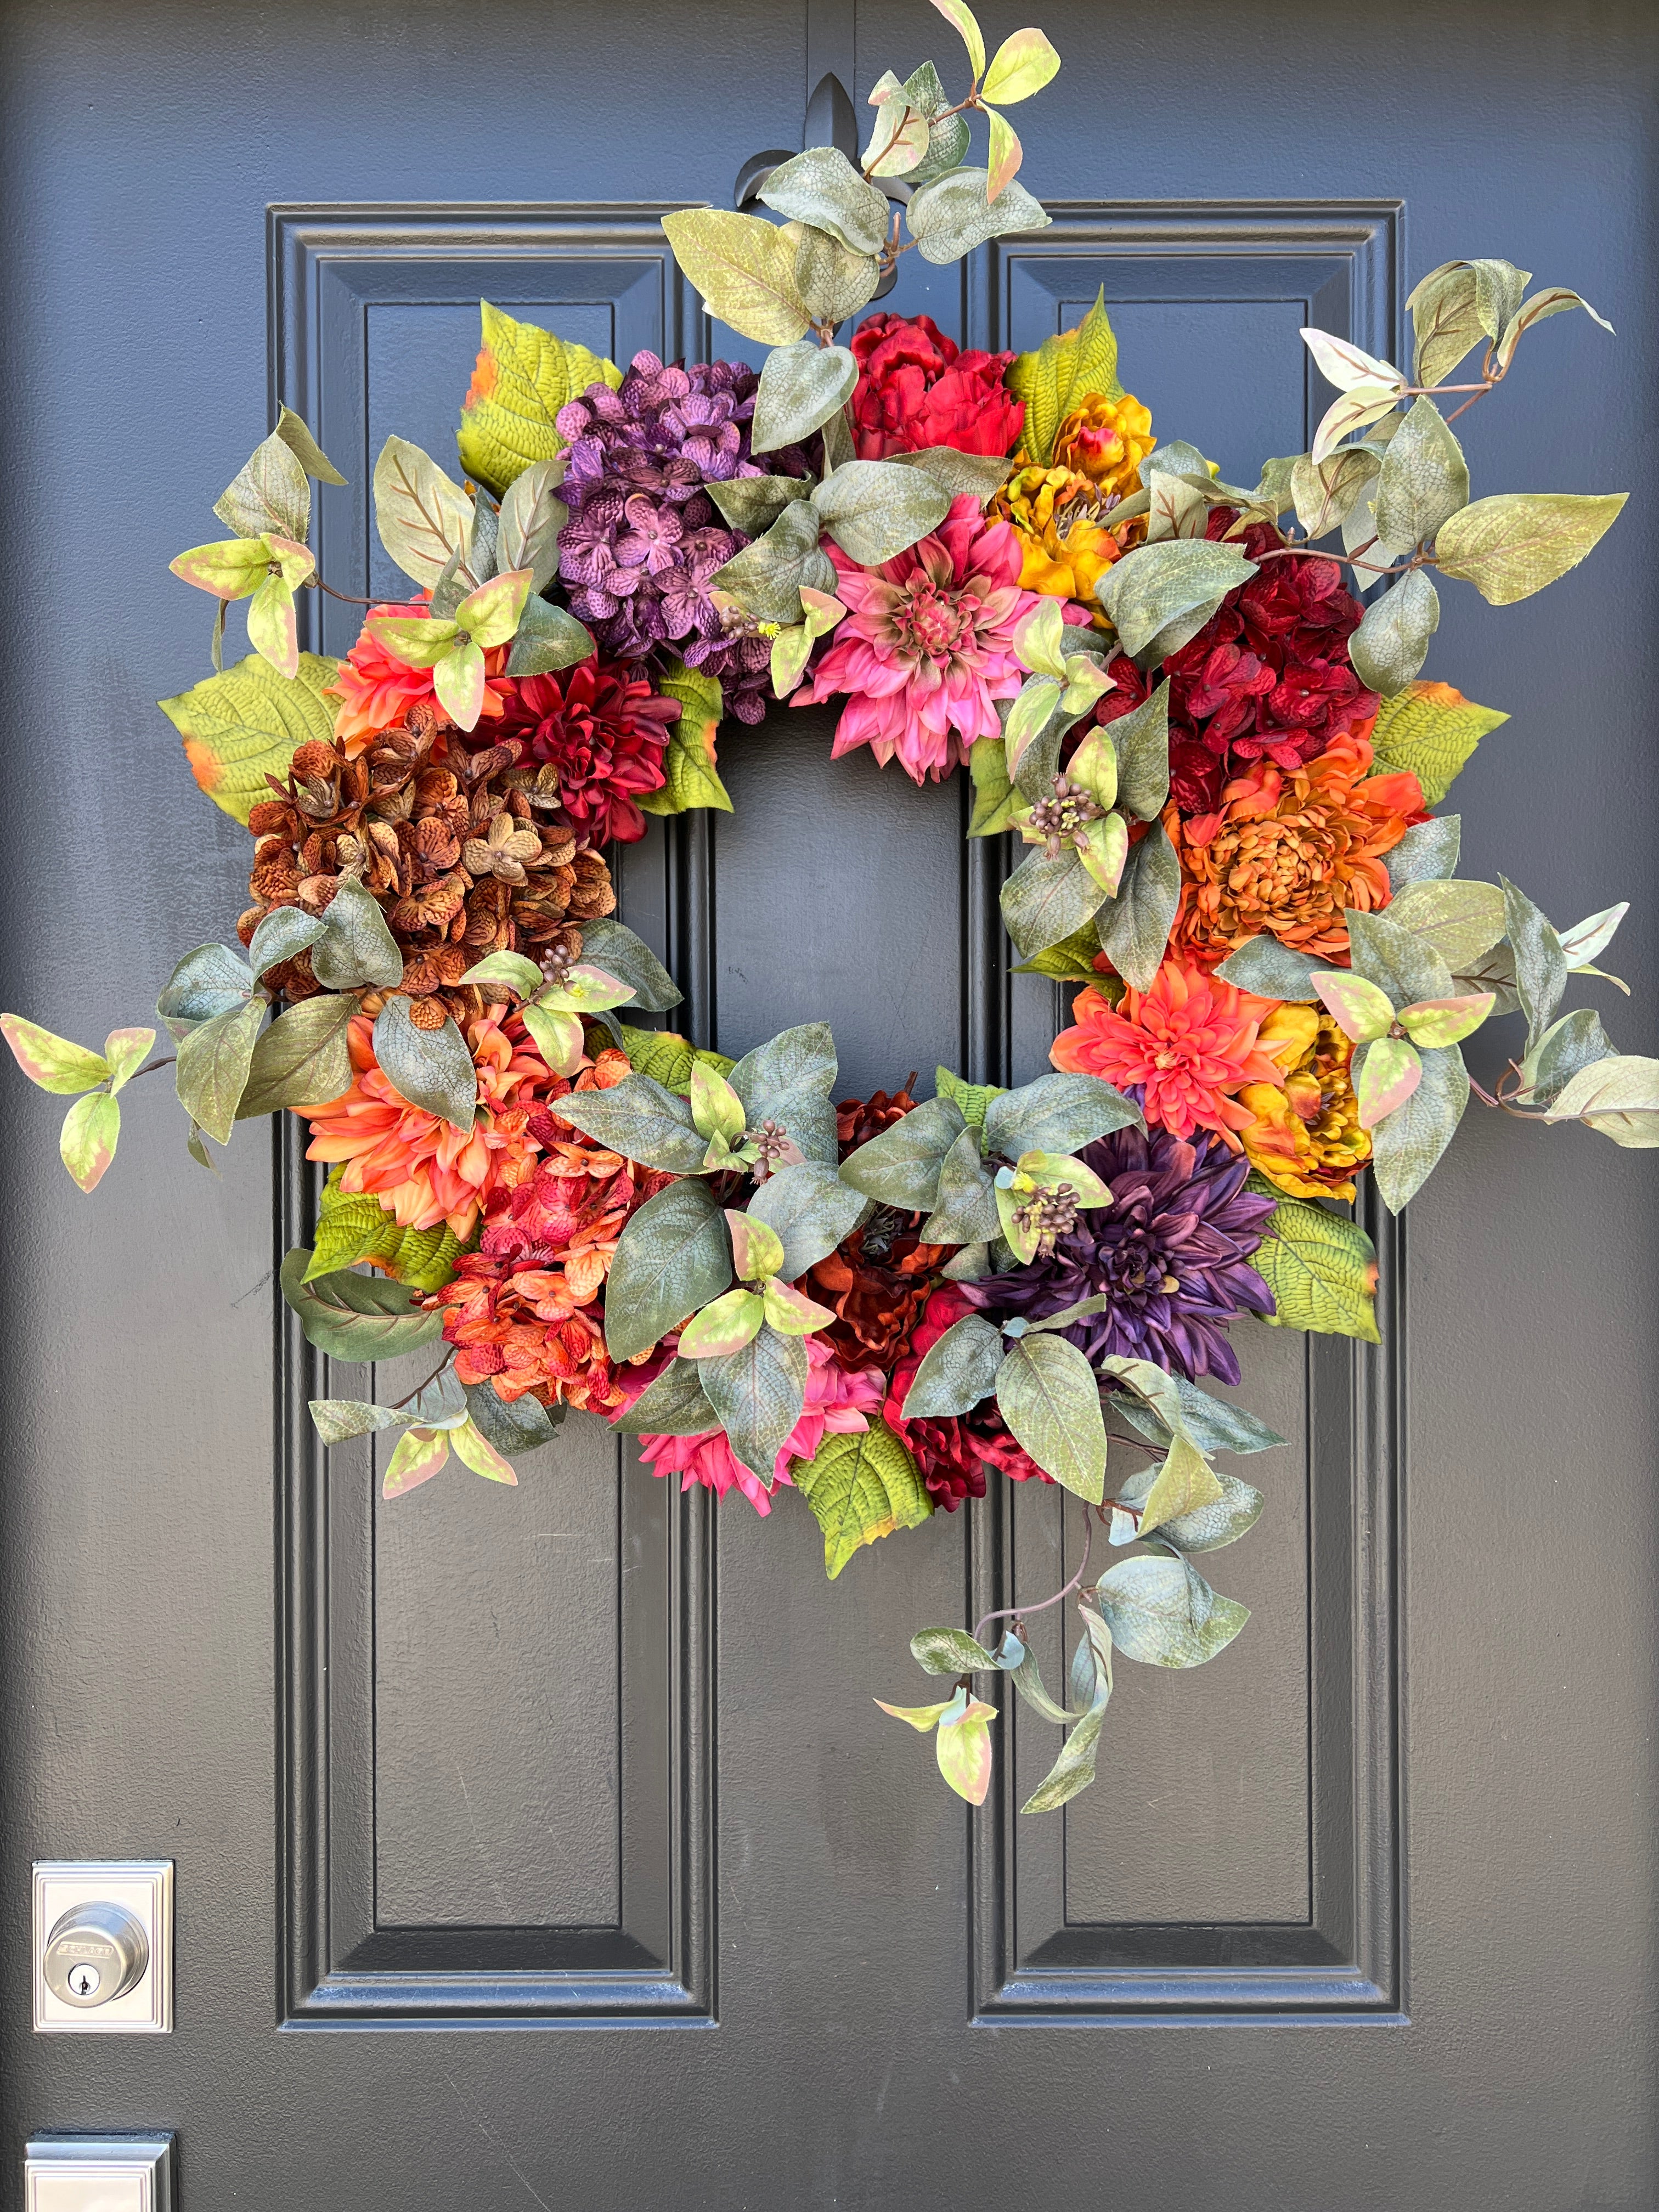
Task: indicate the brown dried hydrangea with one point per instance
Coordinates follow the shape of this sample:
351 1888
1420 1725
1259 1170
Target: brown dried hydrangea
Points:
467 853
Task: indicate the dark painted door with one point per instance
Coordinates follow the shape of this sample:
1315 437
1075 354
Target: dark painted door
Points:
1362 1916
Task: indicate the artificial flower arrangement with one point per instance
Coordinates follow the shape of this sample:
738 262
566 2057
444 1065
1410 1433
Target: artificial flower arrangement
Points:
1225 767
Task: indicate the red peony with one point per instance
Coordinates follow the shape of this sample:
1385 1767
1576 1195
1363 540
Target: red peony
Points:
916 389
1268 676
604 731
952 1451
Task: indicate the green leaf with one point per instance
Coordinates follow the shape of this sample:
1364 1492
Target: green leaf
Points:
1027 1679
1141 741
725 1325
861 1487
1074 1769
1325 496
674 1405
949 218
1446 321
337 1420
1167 592
831 282
791 1080
1134 928
1431 730
213 1067
304 1058
533 514
900 1166
971 1099
1391 640
875 509
1428 852
352 1226
53 1063
1044 901
974 474
1071 960
351 1317
758 1391
210 980
1063 372
1618 1096
296 434
425 519
269 492
1047 1395
802 386
1510 546
1322 1269
612 946
1185 1483
643 1120
431 1068
522 1426
1163 1612
1058 1113
1462 919
547 638
965 1205
1577 1041
745 269
1540 963
524 376
949 1651
958 1371
823 188
753 504
86 1145
1274 970
1407 1146
666 1056
421 1453
672 1258
358 947
248 723
1403 967
285 932
689 763
1233 1514
766 576
810 1209
1423 481
1554 301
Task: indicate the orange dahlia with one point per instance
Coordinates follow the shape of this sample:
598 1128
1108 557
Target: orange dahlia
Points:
376 691
1288 851
1189 1045
1306 1137
423 1170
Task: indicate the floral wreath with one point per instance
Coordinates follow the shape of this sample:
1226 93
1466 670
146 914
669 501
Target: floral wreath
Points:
1225 768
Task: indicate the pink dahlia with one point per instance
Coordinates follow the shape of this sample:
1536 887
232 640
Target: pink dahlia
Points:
927 646
837 1403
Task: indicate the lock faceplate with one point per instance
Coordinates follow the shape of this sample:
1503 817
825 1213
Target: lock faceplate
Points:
98 2173
103 1946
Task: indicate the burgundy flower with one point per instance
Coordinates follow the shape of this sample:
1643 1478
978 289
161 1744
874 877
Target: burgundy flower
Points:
603 730
1171 1253
915 389
1268 676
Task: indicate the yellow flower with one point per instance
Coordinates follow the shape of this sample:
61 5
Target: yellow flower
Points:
1106 441
1064 546
1306 1138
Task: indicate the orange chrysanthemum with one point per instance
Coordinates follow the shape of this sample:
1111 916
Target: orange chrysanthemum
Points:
1289 850
424 1170
1188 1044
376 691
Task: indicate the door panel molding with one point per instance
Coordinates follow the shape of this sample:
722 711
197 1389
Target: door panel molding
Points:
332 271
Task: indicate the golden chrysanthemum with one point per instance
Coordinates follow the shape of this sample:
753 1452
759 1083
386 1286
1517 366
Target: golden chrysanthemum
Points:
1306 1138
1288 851
1065 545
1106 441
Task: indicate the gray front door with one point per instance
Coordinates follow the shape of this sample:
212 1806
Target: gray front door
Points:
544 1847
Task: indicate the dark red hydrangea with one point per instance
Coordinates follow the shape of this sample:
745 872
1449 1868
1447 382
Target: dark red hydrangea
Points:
644 538
1171 1255
952 1451
603 730
917 389
1267 674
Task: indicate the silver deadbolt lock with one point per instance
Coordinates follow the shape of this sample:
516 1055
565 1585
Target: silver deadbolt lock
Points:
94 1953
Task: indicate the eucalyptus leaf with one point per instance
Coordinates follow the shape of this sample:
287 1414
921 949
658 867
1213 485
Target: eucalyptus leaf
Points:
758 1392
358 948
1407 1144
801 386
1047 1394
547 638
823 188
304 1058
1271 970
965 1206
213 1065
642 1121
753 504
1540 964
767 575
1460 919
810 1209
522 1426
1423 481
1044 901
1141 741
674 1405
431 1068
875 510
1391 640
673 1257
1427 852
977 474
1157 589
207 982
285 932
833 282
1407 967
1134 927
948 219
949 1651
1163 1612
1577 1041
612 946
959 1371
900 1166
790 1081
1058 1113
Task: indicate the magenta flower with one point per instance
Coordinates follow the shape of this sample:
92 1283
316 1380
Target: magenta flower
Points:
927 646
837 1403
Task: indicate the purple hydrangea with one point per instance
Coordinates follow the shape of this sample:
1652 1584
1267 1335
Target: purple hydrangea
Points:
644 538
1171 1253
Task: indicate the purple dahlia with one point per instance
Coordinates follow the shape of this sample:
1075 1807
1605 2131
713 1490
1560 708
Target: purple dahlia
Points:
644 538
1171 1253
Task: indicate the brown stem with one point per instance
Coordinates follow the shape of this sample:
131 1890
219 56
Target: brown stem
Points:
351 598
151 1064
1019 1611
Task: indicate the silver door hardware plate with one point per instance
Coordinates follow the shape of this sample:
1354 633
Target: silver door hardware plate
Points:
103 1954
98 2173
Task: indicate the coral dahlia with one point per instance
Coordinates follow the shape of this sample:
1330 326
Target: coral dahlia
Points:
927 646
916 389
1188 1046
1289 851
603 730
1171 1254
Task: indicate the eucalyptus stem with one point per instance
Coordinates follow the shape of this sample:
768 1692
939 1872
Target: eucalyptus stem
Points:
1019 1611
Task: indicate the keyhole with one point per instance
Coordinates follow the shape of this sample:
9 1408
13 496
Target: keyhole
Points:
83 1981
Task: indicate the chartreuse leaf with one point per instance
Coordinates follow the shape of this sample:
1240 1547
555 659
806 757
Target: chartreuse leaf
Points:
125 1050
351 1317
246 724
352 1226
1618 1096
861 1486
1163 1612
470 1444
1322 1269
1386 1072
52 1062
1361 1010
971 1099
1047 1395
995 800
523 377
1460 919
744 269
1510 546
725 1325
1185 1483
1446 1021
1022 64
963 1743
91 1129
421 1453
1063 372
